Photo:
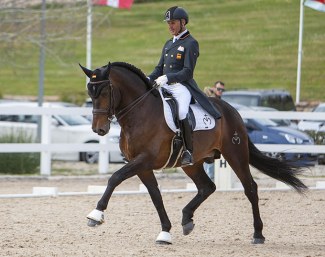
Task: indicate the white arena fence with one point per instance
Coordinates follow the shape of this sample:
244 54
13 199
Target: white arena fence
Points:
45 147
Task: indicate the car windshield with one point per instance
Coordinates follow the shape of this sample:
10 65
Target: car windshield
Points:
320 109
247 100
74 120
266 122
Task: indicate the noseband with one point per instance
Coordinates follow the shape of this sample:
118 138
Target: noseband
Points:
111 109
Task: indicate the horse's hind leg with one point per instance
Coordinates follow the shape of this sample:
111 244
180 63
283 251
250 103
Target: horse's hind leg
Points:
149 180
242 171
205 188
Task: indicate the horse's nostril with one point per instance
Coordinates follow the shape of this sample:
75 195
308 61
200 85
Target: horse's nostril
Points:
101 132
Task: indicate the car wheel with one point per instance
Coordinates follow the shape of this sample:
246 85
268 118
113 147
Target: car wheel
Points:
321 159
89 157
279 156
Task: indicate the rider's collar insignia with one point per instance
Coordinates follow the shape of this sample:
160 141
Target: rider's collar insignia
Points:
93 76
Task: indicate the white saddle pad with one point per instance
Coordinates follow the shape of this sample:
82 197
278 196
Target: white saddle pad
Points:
203 120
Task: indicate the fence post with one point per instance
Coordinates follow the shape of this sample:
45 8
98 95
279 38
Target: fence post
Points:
45 140
103 156
223 174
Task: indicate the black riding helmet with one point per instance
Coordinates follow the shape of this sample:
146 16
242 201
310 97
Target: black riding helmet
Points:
176 13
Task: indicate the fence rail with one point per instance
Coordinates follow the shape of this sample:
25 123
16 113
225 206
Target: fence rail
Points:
45 147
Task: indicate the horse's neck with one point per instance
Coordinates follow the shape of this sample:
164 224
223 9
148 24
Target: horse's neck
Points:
131 94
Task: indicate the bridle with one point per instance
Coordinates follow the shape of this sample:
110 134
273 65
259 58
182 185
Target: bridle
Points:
111 109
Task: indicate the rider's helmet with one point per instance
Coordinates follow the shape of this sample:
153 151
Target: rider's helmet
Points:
176 13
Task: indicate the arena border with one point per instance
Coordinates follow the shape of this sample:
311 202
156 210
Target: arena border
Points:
190 189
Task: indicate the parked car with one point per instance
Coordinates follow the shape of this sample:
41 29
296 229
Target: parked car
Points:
316 129
88 103
275 98
64 129
314 125
266 131
280 122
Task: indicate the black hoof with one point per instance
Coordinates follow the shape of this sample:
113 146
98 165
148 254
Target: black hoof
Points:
187 228
93 223
258 240
163 243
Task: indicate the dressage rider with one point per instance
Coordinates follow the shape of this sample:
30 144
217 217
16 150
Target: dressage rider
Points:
175 73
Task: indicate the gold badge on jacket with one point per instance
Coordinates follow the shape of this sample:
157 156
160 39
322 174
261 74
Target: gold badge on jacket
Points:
179 56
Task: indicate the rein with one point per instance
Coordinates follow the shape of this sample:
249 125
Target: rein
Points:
122 113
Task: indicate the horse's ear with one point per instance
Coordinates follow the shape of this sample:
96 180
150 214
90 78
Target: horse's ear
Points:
107 69
86 71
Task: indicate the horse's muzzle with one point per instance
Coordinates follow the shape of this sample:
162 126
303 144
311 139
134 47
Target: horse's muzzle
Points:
102 131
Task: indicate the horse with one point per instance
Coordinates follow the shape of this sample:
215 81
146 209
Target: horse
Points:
122 90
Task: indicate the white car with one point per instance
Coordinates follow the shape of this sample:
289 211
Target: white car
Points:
313 125
316 128
64 129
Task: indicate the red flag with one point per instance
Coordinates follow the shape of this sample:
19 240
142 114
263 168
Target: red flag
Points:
125 4
318 5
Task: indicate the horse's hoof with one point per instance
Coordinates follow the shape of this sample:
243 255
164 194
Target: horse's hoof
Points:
164 238
163 243
93 223
95 218
187 228
258 240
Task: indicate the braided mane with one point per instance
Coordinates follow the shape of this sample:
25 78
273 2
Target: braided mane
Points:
135 70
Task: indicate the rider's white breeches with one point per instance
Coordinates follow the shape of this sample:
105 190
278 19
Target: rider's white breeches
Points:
183 97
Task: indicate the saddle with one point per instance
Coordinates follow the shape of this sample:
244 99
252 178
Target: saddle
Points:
199 119
171 101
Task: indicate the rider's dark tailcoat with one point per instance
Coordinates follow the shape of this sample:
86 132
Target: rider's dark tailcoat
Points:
177 62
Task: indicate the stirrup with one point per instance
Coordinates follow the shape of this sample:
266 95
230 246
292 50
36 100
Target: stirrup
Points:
187 158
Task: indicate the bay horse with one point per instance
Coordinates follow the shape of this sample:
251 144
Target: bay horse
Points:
123 90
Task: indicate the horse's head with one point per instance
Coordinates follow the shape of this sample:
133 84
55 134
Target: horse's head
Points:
100 92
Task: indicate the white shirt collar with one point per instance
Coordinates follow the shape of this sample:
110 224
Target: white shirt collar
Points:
179 35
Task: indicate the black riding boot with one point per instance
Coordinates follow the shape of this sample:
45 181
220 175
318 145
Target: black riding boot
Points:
186 130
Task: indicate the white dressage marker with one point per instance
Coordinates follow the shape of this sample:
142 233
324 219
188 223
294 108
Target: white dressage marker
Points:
50 191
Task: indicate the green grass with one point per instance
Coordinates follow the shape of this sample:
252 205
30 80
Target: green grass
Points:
18 163
247 44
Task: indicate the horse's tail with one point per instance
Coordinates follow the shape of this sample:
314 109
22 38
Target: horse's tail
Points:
284 171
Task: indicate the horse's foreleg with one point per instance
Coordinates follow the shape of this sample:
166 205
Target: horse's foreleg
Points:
149 180
205 188
96 217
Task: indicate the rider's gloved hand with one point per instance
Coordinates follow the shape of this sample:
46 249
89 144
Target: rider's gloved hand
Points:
162 80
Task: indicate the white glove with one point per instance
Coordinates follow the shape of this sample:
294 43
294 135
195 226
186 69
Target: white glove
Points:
162 80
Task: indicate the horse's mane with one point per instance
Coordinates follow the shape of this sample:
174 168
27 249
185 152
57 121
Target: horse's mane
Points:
135 70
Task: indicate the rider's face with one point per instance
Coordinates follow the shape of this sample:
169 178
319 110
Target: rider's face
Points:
174 27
